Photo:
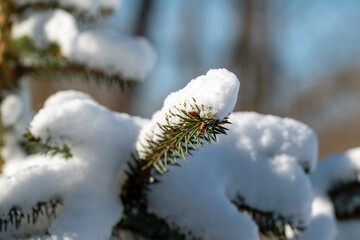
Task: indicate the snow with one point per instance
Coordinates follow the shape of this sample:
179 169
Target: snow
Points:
48 26
89 182
61 28
90 7
197 197
16 113
323 223
11 109
337 169
99 48
348 230
214 93
105 49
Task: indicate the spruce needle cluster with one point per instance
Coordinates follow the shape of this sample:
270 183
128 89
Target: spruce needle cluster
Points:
34 145
179 139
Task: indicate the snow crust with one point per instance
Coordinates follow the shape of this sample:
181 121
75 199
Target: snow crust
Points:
90 7
101 49
214 93
89 183
267 175
336 169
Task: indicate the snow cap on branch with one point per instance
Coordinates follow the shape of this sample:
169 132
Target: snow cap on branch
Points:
101 142
105 50
337 168
50 26
258 165
329 183
208 96
89 7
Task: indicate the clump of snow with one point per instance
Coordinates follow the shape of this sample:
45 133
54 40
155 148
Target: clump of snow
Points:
323 223
101 49
266 175
61 28
16 113
101 142
89 7
337 169
214 93
11 109
49 26
107 50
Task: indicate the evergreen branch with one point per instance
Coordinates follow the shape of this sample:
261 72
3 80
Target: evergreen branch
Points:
49 63
34 145
344 195
269 223
15 215
179 139
52 5
148 225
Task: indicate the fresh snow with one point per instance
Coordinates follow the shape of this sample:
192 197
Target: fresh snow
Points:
214 93
337 169
105 49
89 183
100 49
261 161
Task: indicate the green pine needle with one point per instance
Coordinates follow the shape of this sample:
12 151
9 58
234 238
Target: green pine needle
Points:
178 140
34 145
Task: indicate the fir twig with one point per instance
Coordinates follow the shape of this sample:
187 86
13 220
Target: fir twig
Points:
34 145
15 215
179 139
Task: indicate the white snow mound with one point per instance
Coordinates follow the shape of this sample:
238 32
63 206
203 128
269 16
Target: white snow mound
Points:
259 164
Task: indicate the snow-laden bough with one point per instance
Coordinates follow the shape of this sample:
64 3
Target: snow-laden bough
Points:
87 185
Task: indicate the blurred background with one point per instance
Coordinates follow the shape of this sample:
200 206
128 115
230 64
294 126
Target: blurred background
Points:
298 59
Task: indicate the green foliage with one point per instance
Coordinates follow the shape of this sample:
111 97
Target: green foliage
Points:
15 215
179 139
34 145
343 195
176 142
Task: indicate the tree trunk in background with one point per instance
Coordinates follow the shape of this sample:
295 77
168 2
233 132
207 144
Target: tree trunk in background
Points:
252 59
142 23
141 29
7 65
